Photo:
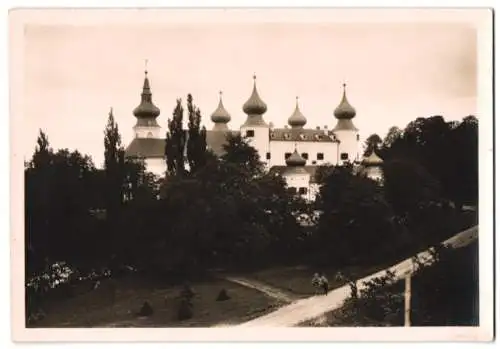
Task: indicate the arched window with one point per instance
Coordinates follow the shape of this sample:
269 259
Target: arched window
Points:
150 135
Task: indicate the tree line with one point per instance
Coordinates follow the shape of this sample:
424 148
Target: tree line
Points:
228 212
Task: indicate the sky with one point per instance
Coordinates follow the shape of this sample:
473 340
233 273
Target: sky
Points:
395 72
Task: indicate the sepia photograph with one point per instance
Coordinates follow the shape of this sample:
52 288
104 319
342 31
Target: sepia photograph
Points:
250 170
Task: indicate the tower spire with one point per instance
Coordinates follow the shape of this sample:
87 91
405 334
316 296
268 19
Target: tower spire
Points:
146 108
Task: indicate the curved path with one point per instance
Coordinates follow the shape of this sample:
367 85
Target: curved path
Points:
313 307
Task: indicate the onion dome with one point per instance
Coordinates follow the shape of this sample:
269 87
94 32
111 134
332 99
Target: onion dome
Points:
146 109
344 110
372 160
254 105
297 120
220 116
295 159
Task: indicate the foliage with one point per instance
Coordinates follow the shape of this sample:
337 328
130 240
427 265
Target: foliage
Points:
372 143
197 143
175 142
355 217
380 302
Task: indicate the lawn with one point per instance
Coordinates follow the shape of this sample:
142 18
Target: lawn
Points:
98 309
297 280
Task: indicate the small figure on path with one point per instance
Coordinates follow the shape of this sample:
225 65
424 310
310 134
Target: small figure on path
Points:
316 283
324 283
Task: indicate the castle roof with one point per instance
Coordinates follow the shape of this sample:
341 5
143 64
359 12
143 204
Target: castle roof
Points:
295 159
254 107
216 140
220 116
146 148
146 108
344 109
301 135
372 160
297 119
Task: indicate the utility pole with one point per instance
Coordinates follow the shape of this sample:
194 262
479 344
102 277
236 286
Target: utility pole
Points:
408 300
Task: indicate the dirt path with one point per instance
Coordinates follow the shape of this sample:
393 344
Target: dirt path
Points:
314 307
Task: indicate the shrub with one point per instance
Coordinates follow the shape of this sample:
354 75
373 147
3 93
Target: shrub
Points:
223 296
146 310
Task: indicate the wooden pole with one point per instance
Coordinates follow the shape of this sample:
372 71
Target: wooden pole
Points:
408 300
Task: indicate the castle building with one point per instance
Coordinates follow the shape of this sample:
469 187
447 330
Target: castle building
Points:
293 151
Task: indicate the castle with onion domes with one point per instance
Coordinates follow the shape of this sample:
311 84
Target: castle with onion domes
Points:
293 151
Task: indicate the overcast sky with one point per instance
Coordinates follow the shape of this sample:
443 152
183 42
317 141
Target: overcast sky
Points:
394 74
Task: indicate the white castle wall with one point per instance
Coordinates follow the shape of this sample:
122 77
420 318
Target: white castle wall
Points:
278 150
348 144
147 132
260 140
158 166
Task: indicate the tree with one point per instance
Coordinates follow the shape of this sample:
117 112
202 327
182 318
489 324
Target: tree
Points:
356 221
113 166
393 134
240 153
372 143
197 144
175 142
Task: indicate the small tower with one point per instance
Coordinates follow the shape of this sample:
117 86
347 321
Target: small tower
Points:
220 117
297 119
296 175
372 166
146 114
255 129
345 131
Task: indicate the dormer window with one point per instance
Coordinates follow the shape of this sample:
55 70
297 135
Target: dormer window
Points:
302 136
317 137
150 135
250 133
287 136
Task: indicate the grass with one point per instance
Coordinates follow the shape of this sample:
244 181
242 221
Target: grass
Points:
99 308
297 280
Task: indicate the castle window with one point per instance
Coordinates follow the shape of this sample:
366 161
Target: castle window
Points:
287 155
305 155
320 156
268 155
344 156
250 133
302 136
357 137
302 191
317 137
150 135
292 190
287 136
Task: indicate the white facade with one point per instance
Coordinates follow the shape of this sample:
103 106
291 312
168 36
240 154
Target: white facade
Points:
258 137
147 131
157 166
348 146
315 151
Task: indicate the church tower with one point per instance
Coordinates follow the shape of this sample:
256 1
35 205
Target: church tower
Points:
146 114
255 129
220 117
346 132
